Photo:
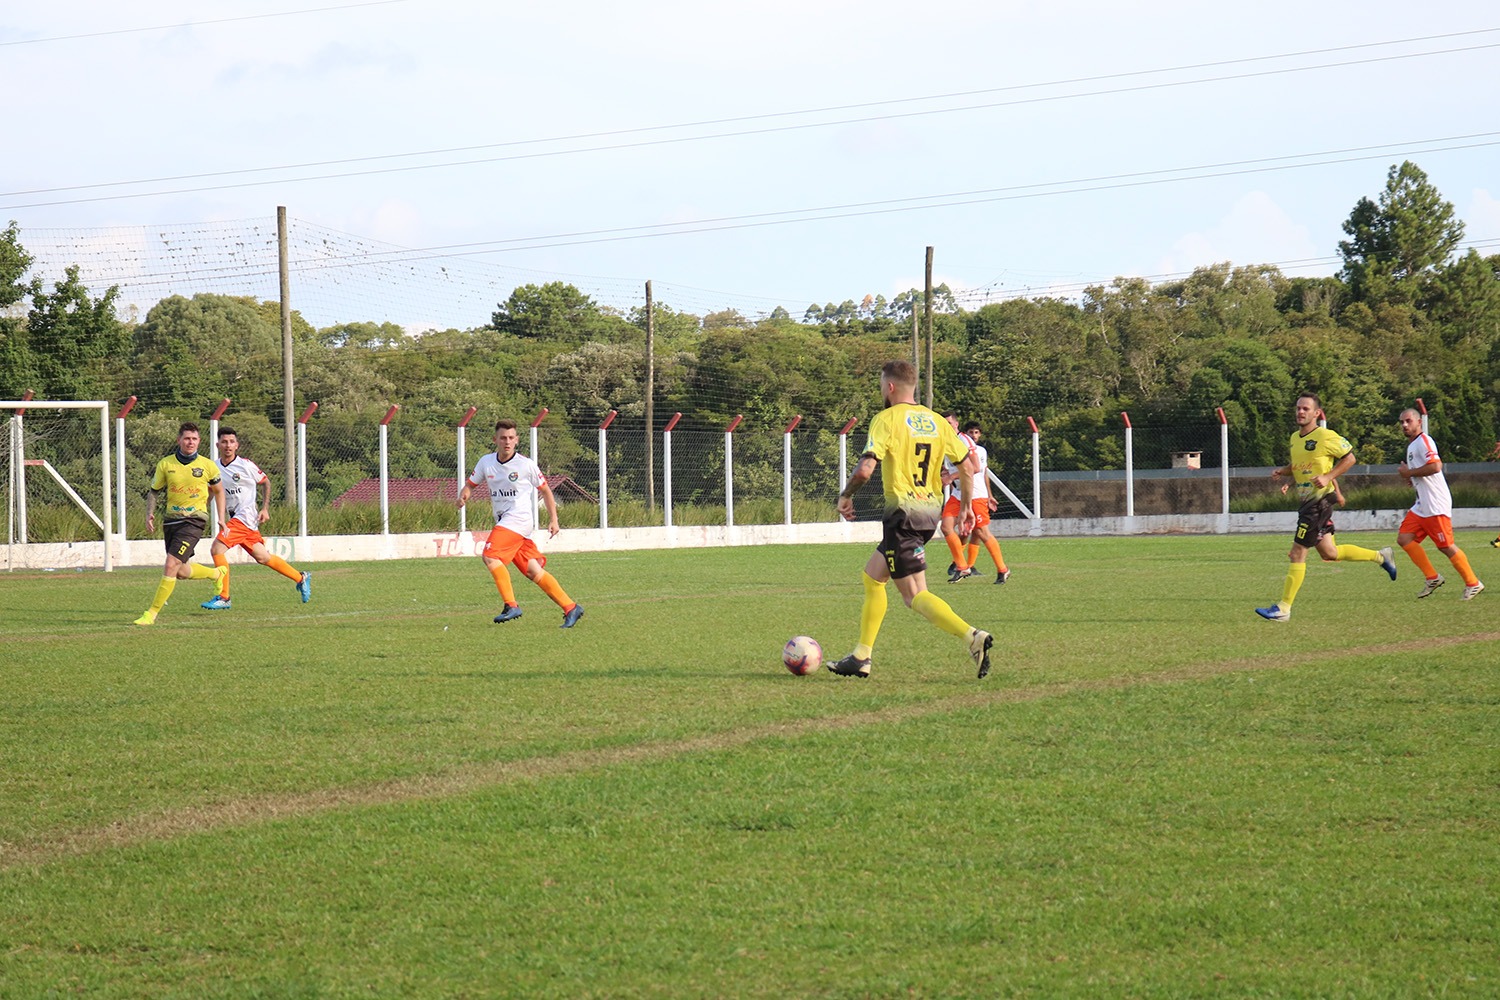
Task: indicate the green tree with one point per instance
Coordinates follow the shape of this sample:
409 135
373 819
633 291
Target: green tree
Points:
1397 242
554 311
79 347
17 364
189 353
1255 390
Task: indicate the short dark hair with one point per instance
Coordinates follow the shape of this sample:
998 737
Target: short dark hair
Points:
187 426
972 425
1312 396
900 371
505 423
227 430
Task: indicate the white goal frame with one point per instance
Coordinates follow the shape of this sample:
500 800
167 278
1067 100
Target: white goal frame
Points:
18 463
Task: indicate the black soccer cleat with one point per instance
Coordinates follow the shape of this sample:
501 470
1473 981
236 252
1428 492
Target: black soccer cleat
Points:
851 666
510 614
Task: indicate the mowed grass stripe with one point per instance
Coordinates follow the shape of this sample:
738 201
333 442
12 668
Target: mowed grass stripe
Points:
463 780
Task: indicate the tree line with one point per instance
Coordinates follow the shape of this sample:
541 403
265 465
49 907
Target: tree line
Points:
1406 316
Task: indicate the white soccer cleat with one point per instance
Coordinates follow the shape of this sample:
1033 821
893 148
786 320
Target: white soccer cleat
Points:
1431 586
1472 592
980 642
1388 563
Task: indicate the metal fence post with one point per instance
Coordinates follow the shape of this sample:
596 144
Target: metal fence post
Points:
604 471
786 469
666 467
729 470
301 470
1129 467
463 463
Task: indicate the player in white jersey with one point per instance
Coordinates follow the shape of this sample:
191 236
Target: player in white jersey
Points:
513 482
242 480
959 569
983 504
1431 516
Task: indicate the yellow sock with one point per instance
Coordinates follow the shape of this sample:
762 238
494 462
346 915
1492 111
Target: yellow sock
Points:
163 591
554 590
1294 574
202 572
993 547
1354 553
221 559
871 614
956 546
1461 563
1420 560
502 583
285 568
936 610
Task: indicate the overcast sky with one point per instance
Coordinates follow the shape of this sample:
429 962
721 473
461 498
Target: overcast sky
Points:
1015 138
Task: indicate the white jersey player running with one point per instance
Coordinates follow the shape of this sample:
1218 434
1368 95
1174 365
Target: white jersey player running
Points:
243 481
514 482
1431 516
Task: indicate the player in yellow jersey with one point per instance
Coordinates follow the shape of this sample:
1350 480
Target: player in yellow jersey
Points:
189 481
1319 456
909 443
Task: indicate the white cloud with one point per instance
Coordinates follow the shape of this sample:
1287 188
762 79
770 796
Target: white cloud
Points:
1482 216
1254 231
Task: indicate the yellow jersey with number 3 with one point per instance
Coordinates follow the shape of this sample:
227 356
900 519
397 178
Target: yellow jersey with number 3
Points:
910 442
1314 455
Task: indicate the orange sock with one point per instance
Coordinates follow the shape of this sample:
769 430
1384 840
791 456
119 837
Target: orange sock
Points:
957 548
1461 563
972 554
281 566
221 559
993 547
1419 559
554 590
502 583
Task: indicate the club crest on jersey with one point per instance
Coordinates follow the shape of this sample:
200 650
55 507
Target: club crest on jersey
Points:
514 476
921 424
1311 445
197 473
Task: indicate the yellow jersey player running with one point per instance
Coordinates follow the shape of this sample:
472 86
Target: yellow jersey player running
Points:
188 480
909 443
1319 456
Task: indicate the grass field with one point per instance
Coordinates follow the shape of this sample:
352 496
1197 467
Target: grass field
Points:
1154 794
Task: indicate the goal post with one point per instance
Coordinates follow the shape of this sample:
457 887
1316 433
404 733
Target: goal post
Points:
52 455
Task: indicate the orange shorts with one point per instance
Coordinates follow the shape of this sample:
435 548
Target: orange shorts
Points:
1439 528
981 510
237 532
507 546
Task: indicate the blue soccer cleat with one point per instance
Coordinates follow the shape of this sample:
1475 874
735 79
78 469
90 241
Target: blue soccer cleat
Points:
305 587
1387 563
510 614
217 604
571 616
1274 613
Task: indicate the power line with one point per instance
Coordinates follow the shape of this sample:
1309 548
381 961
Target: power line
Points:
197 24
741 133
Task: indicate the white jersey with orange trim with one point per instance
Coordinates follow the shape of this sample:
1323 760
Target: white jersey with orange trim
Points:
982 477
951 469
241 480
513 488
1433 495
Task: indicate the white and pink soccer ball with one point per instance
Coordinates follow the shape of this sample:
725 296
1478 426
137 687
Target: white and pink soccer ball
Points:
802 655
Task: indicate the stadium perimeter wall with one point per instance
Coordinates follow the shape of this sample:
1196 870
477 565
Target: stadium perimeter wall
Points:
438 545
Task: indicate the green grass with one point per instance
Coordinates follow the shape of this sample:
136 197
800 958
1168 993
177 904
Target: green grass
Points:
381 793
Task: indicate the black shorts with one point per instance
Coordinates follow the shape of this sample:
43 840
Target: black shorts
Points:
1314 520
903 542
182 538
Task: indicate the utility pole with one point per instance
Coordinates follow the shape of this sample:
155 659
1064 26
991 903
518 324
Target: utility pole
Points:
927 314
650 408
289 422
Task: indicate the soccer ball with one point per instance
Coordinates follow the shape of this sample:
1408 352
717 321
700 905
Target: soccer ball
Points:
802 655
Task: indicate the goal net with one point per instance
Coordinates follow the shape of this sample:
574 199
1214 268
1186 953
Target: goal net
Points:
56 484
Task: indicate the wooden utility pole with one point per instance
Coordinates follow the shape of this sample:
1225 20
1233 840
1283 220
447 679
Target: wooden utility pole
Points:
927 319
289 422
650 394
